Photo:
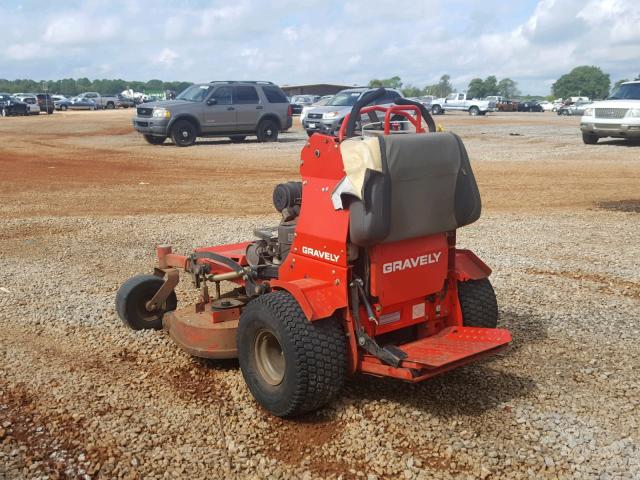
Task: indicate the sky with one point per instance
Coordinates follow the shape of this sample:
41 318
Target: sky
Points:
346 42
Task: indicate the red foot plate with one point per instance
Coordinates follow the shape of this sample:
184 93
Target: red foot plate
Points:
454 344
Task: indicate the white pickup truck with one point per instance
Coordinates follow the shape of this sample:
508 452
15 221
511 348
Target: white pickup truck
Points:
618 116
102 101
459 101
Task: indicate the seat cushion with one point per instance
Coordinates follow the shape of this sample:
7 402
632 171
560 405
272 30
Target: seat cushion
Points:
426 186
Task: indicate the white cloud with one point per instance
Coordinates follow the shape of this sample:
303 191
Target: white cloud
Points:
81 29
166 58
25 51
290 34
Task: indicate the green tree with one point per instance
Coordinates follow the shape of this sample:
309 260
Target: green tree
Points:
508 88
155 85
490 85
583 81
476 88
444 87
411 91
393 82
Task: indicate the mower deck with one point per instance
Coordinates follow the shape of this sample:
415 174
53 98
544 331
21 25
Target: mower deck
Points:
199 336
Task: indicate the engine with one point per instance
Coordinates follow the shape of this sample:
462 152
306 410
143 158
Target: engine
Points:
274 243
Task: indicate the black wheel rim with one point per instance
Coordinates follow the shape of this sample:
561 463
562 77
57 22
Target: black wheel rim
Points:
146 315
268 132
185 135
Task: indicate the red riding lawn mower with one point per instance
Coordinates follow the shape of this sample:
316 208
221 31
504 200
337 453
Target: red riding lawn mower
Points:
361 275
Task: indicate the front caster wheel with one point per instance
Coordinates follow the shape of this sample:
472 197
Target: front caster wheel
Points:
291 365
132 298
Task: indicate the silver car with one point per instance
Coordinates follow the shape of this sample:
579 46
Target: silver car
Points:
328 119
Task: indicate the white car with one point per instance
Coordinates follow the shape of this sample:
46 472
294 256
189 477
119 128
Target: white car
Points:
547 106
32 103
618 116
319 103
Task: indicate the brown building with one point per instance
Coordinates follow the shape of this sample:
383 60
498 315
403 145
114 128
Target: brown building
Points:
314 89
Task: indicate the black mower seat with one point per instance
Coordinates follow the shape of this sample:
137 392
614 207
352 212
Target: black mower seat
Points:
426 186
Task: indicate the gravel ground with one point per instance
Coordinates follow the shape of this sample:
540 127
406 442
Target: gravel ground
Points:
83 397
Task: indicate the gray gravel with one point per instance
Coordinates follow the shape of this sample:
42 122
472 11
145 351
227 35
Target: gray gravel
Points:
83 397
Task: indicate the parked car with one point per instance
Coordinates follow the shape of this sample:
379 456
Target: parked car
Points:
322 101
10 105
547 106
530 106
298 102
45 102
459 101
505 105
618 116
228 109
576 108
427 100
328 119
125 102
101 101
33 108
82 103
62 104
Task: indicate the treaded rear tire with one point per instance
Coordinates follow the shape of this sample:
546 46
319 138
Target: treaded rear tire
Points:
478 303
315 355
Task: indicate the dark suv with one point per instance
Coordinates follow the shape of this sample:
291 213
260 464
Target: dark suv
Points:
221 109
46 103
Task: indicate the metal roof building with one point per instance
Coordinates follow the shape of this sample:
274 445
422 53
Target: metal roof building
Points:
314 89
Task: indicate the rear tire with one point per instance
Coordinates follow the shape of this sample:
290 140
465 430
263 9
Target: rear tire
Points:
132 298
110 106
183 133
437 110
291 365
153 140
478 303
589 138
237 138
474 111
267 131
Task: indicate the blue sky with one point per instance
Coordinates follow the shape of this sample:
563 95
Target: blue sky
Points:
291 42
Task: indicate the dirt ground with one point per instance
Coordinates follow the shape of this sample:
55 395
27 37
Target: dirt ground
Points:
83 200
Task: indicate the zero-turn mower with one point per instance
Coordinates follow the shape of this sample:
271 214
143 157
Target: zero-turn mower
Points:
361 275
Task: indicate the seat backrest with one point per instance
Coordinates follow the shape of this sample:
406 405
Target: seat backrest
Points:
426 186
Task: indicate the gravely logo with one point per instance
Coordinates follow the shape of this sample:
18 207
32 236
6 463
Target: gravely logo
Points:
320 254
412 262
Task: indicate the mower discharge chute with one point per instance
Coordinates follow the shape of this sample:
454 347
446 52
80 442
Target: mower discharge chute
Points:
361 275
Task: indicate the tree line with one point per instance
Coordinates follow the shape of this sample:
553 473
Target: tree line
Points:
586 81
71 86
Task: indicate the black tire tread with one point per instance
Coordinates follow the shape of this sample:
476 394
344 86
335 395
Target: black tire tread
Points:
320 352
478 303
